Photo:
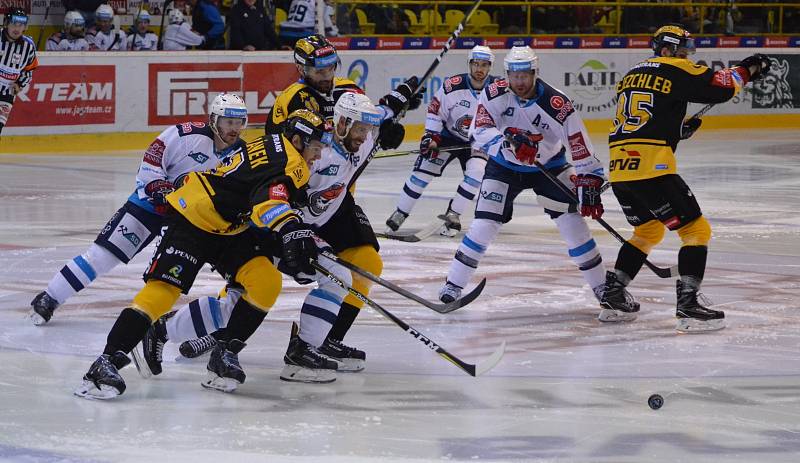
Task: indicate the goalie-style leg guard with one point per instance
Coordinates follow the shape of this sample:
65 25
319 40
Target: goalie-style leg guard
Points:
304 364
103 380
224 371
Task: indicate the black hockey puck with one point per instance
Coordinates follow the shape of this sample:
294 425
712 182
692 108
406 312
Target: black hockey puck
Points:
655 401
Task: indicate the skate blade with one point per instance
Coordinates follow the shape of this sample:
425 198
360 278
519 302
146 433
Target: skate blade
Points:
37 319
219 383
89 391
448 232
200 358
616 316
298 374
691 325
349 365
141 364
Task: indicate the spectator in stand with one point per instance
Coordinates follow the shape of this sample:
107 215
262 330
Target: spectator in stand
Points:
72 37
141 37
300 22
86 8
388 19
207 20
179 34
251 28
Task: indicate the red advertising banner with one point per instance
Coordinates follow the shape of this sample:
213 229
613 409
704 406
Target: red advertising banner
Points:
6 5
67 95
183 91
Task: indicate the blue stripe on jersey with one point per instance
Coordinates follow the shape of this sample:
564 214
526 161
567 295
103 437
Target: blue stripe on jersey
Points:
317 312
473 245
71 278
490 143
216 315
85 267
418 181
471 181
197 319
143 203
322 294
582 249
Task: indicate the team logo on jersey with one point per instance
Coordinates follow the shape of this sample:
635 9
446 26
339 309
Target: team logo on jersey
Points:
492 196
320 200
279 192
448 84
462 125
578 146
172 251
433 107
176 271
198 157
509 112
483 118
556 102
154 153
129 235
464 103
330 170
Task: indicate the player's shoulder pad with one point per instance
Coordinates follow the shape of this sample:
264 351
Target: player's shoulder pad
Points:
495 89
456 82
554 102
194 128
680 63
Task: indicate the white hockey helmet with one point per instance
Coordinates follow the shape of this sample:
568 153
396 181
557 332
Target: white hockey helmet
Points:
481 52
74 18
175 16
227 105
355 107
104 12
521 59
142 16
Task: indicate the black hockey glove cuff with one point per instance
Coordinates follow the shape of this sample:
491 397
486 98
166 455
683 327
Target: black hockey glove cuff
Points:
391 135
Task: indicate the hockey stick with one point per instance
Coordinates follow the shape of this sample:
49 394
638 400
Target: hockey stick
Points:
661 272
473 370
160 45
449 149
412 237
441 308
450 41
44 25
702 111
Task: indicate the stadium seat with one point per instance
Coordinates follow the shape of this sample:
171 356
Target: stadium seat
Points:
452 18
366 26
432 20
481 23
415 26
608 22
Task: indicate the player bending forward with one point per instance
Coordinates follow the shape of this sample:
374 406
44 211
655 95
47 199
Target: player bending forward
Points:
517 121
178 150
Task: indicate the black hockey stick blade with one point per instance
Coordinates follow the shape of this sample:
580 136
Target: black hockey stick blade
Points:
412 237
441 308
472 370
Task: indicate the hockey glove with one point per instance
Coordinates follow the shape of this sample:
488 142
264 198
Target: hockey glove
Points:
429 145
157 191
391 134
589 186
760 61
400 98
690 126
298 248
525 144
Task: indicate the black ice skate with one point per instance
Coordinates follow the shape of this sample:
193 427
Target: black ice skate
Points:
304 364
224 372
347 358
148 362
194 348
617 303
396 219
103 380
450 292
452 223
692 316
42 307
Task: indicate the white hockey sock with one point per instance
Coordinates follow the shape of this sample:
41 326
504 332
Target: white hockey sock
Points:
480 235
321 306
80 272
201 317
469 186
412 190
582 248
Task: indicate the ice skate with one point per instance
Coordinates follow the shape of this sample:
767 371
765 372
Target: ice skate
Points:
304 364
148 362
450 293
617 303
348 359
42 308
693 317
396 220
103 380
194 348
224 372
452 223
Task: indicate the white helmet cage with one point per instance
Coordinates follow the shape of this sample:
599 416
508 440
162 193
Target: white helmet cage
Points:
226 105
175 16
354 107
73 18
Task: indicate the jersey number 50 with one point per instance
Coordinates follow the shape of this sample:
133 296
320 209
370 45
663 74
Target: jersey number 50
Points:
633 112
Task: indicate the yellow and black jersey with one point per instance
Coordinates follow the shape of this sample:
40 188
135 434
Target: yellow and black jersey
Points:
255 185
301 96
651 106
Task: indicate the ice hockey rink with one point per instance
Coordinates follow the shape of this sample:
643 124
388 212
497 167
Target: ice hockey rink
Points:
568 388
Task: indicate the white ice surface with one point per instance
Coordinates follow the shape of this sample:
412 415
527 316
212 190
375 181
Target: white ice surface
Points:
568 389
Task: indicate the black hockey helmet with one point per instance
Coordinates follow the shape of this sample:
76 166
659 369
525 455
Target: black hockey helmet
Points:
309 125
15 16
674 37
315 51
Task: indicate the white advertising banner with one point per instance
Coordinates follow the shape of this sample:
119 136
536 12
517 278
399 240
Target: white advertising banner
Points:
138 92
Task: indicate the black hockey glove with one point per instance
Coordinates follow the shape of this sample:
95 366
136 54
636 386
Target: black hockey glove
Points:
391 134
690 126
589 186
299 247
157 191
760 61
400 98
429 145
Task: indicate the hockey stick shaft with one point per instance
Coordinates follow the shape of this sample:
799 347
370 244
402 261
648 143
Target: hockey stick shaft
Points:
703 110
449 149
661 272
44 25
160 45
470 369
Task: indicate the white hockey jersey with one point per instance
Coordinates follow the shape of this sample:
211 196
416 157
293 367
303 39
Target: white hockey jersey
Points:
302 14
180 36
60 41
178 150
330 176
146 42
549 117
113 40
451 110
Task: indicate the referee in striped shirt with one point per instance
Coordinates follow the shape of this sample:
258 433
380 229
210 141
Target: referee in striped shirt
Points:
17 60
